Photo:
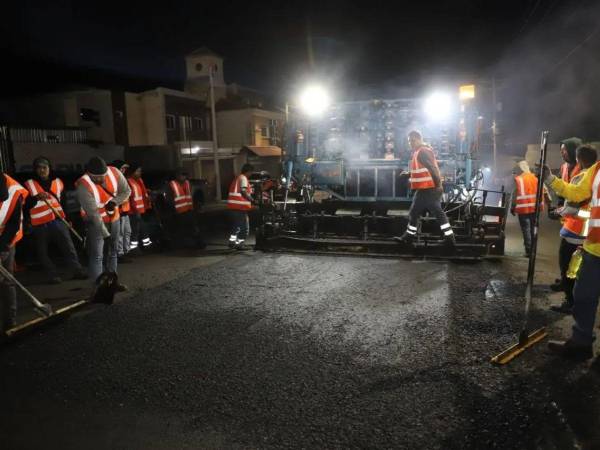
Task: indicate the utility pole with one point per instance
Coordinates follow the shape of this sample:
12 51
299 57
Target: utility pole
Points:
214 136
494 125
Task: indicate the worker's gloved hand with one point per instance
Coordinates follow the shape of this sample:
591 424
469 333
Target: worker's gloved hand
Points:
43 196
110 206
554 213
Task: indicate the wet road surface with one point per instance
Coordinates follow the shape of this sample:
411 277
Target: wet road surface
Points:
287 351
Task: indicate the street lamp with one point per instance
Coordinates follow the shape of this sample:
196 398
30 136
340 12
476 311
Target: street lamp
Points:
438 106
314 100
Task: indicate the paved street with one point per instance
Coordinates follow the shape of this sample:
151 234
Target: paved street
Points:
254 350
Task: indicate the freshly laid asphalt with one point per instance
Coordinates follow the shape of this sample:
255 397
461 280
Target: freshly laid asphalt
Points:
287 351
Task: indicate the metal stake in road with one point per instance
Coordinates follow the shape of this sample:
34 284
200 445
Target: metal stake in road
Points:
526 340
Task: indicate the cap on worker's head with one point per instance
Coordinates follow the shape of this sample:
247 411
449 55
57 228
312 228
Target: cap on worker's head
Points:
247 168
96 166
524 166
41 161
571 145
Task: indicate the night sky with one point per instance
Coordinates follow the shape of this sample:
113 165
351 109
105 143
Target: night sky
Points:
265 44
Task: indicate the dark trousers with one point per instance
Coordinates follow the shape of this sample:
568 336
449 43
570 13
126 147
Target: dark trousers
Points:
57 233
585 296
565 252
240 225
426 200
139 234
526 221
8 292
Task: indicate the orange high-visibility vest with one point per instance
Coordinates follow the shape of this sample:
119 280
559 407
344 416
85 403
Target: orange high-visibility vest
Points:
103 194
41 213
594 221
15 191
526 192
578 224
567 175
140 200
182 195
235 199
420 177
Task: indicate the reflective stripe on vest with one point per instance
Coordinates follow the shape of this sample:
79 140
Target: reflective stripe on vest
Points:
235 199
101 195
578 224
182 196
15 191
137 196
526 192
420 177
594 221
41 213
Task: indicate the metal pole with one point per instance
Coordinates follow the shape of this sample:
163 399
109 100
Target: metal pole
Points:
494 101
534 241
214 137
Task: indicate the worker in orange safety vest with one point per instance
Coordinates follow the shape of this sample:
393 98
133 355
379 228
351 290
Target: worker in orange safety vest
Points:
100 191
47 227
574 229
12 197
140 203
425 181
239 202
185 229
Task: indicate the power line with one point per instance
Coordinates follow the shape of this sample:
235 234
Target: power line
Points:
577 47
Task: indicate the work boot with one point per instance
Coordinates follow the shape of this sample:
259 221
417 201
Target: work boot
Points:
406 238
121 287
565 307
557 286
242 247
570 349
232 244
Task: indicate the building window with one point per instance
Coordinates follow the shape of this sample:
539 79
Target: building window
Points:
198 124
170 121
186 122
90 115
264 131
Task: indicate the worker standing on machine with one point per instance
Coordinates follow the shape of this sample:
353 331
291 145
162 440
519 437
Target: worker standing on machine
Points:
426 181
12 197
239 202
587 288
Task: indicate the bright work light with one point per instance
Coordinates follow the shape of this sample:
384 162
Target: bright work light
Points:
314 100
438 106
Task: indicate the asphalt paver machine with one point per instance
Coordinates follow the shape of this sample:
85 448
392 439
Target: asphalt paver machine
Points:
344 185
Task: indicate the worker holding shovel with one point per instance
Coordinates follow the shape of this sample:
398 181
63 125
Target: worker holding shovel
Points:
12 196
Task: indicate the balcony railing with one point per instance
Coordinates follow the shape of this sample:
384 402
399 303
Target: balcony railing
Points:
49 135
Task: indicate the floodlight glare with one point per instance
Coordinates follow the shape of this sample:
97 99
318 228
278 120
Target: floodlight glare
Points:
438 106
314 100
